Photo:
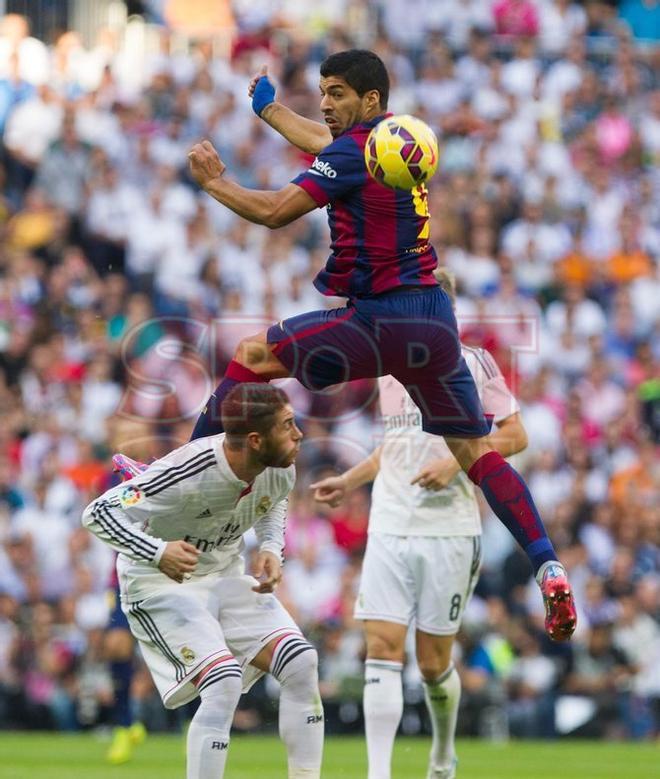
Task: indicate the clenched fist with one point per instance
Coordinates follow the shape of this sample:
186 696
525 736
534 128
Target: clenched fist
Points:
179 560
205 163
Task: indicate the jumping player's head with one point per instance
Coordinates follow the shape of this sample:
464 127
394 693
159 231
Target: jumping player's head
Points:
354 87
446 281
259 419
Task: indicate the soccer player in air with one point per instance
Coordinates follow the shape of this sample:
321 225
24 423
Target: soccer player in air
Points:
397 320
422 558
205 628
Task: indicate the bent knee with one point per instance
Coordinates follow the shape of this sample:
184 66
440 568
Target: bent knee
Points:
385 647
432 670
257 355
224 675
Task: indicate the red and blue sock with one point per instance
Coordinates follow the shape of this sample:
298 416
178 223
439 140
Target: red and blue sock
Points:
508 496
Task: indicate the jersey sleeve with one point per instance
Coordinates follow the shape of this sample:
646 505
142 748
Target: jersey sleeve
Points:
496 398
270 529
337 170
118 516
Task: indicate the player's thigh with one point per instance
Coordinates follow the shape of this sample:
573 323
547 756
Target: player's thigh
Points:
118 644
387 587
385 640
416 332
433 654
446 572
326 347
179 634
250 622
449 404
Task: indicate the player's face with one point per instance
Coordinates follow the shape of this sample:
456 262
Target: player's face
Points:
280 447
342 107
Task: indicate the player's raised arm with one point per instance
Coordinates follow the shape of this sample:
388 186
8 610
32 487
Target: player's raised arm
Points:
332 489
305 134
270 208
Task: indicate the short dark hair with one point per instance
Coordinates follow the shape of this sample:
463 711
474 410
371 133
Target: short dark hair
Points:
251 408
361 69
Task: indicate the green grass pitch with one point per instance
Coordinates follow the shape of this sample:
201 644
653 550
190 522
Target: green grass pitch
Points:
57 756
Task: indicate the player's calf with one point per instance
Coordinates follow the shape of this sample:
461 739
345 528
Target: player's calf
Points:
219 687
295 666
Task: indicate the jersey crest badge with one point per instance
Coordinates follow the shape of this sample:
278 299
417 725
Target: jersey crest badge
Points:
130 496
263 507
188 655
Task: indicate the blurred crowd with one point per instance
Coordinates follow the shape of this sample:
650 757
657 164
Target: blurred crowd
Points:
124 290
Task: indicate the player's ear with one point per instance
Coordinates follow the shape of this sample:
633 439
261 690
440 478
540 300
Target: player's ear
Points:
254 441
373 99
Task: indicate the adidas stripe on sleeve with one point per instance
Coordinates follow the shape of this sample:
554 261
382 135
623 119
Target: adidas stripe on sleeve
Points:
112 523
119 514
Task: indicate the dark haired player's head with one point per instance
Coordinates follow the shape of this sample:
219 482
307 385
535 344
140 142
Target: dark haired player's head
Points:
258 418
355 87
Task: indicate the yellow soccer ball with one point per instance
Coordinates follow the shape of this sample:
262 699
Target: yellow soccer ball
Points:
401 152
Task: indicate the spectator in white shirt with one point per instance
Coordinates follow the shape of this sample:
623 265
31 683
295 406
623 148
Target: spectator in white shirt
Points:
32 53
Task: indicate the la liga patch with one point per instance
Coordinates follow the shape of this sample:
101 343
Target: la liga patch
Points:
130 496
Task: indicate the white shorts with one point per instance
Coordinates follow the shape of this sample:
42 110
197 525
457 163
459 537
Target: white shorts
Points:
418 580
183 627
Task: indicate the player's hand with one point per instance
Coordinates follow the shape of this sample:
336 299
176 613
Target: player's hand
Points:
205 163
268 569
179 560
261 91
330 490
437 474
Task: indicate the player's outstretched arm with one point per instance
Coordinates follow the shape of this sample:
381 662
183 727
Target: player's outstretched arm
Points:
270 208
305 134
333 489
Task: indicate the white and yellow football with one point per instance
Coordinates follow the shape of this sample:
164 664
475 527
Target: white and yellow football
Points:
401 152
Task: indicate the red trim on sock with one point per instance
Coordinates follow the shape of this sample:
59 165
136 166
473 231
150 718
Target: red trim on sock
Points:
281 638
486 464
240 373
204 671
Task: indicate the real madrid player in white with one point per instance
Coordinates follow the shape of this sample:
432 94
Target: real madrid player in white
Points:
422 558
205 627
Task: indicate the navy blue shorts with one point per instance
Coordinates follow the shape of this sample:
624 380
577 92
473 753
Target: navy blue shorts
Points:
117 619
411 335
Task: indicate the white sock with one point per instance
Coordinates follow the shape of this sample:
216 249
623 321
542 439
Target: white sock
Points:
383 706
557 570
442 699
295 666
208 734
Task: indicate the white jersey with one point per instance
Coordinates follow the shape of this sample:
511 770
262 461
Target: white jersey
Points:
397 506
190 494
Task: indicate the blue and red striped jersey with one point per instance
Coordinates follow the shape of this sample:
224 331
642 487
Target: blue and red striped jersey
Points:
379 236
